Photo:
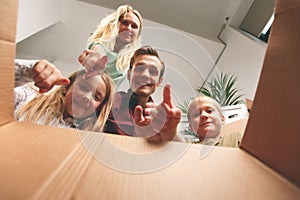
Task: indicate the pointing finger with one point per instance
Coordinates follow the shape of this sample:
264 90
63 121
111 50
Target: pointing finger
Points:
167 95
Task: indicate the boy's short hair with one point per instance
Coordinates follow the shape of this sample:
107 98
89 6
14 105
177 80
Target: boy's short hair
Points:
203 99
147 50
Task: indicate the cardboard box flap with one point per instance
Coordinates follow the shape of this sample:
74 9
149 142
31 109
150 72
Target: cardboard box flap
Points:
285 5
7 54
42 162
272 134
8 20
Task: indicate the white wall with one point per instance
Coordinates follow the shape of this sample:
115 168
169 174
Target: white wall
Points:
35 15
189 58
243 56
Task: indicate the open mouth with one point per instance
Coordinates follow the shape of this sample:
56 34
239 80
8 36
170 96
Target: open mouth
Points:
142 84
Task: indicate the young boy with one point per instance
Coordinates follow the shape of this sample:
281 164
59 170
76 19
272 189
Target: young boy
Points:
206 119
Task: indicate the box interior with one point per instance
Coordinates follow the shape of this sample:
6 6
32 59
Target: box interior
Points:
47 162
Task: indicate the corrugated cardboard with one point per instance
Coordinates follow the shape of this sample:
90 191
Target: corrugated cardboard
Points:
50 163
8 12
39 162
273 131
8 21
286 6
7 54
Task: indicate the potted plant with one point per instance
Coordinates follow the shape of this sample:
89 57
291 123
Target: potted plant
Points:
222 89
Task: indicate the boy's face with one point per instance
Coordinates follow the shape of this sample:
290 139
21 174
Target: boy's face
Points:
206 120
144 77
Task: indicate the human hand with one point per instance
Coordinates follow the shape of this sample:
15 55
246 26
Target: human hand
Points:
94 61
46 75
158 122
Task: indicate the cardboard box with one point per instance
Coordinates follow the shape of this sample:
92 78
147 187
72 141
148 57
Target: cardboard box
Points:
273 131
38 162
8 20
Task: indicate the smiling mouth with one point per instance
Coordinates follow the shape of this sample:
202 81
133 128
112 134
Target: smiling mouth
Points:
128 34
144 85
205 123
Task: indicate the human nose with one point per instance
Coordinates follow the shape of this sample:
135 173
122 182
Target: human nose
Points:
146 74
203 115
86 100
127 27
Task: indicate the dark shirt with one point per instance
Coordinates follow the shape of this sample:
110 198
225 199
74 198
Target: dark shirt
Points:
120 120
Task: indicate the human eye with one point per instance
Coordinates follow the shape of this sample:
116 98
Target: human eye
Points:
134 26
97 98
196 114
139 68
210 110
124 22
153 71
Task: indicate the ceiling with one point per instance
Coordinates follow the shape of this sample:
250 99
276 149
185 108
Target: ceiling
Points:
200 17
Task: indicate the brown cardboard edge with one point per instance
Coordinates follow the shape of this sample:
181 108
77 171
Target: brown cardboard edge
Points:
282 6
8 20
266 137
69 171
7 53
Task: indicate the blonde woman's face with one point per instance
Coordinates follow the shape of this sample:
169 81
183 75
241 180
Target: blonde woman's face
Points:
206 120
129 28
85 96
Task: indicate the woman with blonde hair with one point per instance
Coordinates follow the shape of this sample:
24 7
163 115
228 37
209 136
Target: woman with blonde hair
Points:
113 43
84 103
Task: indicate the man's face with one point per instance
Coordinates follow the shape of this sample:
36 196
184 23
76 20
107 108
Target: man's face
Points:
144 75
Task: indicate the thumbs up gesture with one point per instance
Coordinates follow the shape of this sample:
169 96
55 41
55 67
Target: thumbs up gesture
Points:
46 75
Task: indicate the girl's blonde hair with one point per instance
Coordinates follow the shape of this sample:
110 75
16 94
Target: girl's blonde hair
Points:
49 109
107 32
203 99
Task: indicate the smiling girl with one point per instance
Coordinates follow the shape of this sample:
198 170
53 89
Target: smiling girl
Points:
85 103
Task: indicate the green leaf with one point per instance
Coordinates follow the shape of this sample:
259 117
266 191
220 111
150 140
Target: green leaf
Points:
222 89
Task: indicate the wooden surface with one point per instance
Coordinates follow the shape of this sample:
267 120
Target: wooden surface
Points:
45 162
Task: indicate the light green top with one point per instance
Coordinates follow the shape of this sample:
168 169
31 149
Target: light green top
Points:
111 68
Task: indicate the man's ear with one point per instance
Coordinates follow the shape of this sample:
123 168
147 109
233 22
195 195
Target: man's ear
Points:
128 74
159 81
